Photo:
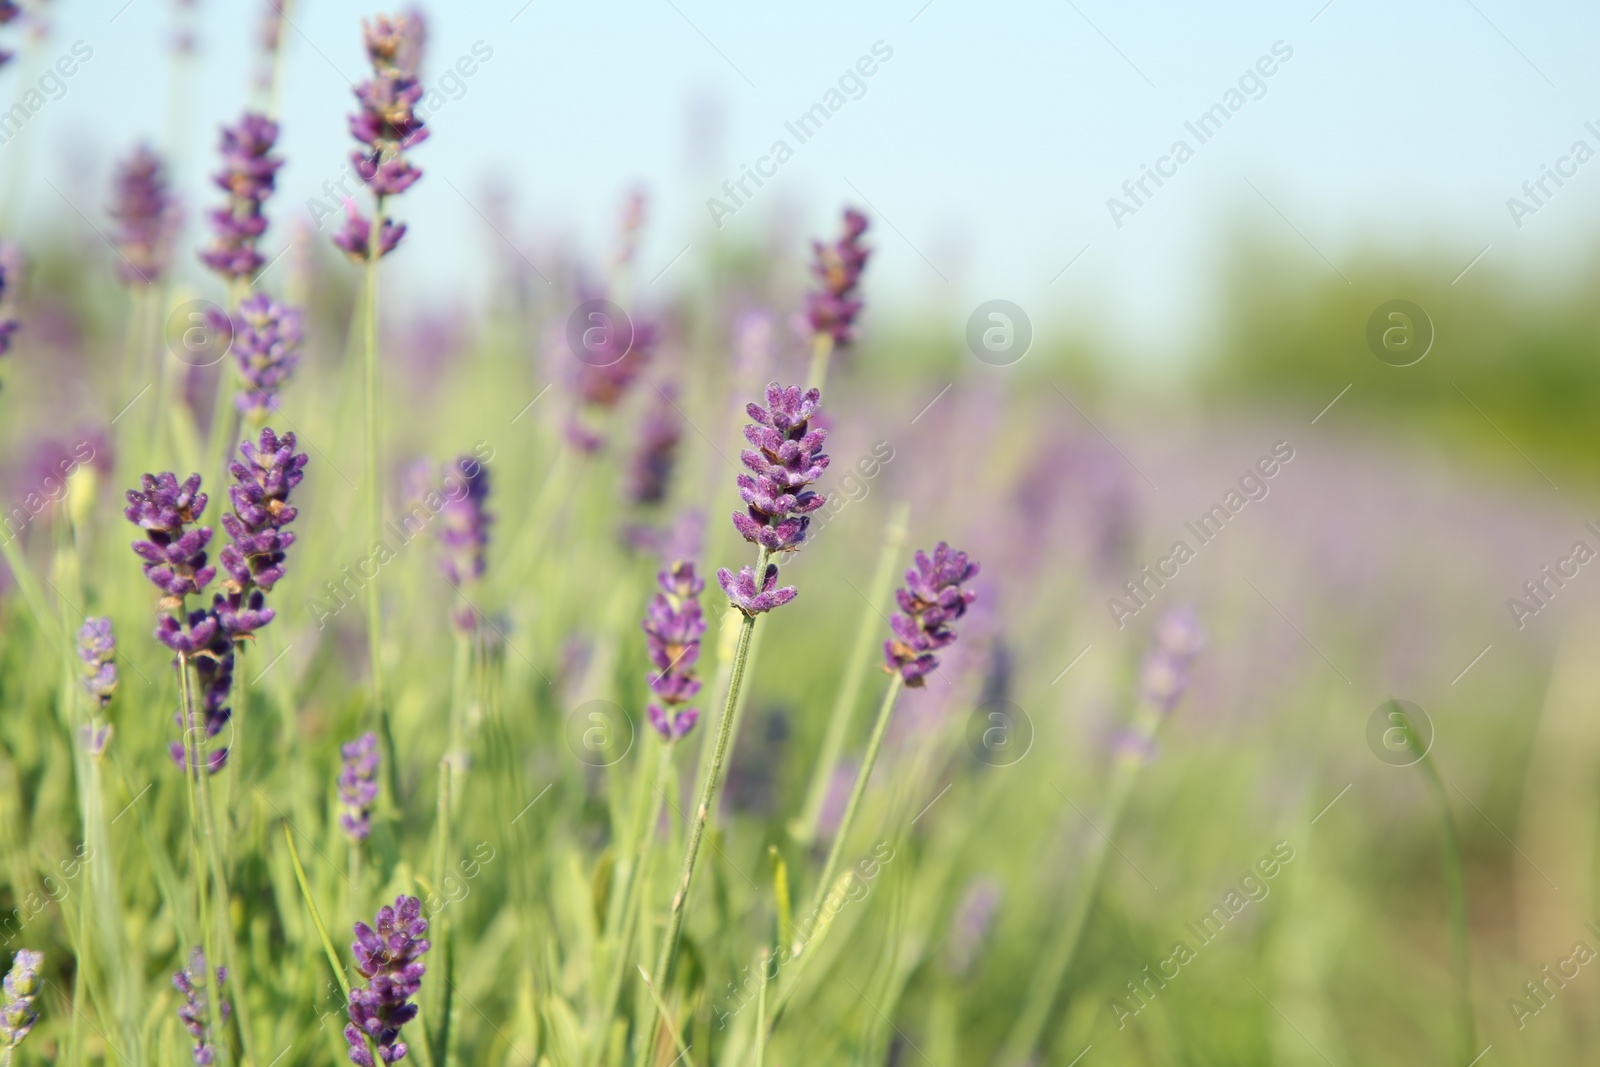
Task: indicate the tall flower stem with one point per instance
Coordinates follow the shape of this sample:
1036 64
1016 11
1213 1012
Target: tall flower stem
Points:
829 869
708 798
200 819
821 353
804 828
374 499
1455 891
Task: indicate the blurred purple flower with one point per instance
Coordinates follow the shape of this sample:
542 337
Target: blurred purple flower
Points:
386 125
358 785
604 374
21 985
971 922
464 525
656 452
832 308
261 510
388 954
1164 676
931 600
356 236
97 648
146 215
193 1012
248 175
266 339
673 626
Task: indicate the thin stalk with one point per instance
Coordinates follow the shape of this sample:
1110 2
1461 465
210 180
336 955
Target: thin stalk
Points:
374 501
200 824
440 1031
830 868
672 1024
708 797
761 1010
821 353
1455 891
1057 957
804 829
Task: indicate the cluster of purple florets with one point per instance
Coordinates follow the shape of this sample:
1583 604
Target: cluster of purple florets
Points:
1164 675
832 308
931 600
786 458
387 126
358 785
192 983
146 215
248 175
673 626
389 956
177 563
266 343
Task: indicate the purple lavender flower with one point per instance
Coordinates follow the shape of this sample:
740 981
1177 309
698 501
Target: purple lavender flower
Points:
248 175
388 954
195 1010
146 215
1164 675
464 529
786 459
745 595
931 600
266 339
8 325
650 473
673 626
261 510
604 374
97 647
358 785
833 308
387 124
21 986
174 549
356 236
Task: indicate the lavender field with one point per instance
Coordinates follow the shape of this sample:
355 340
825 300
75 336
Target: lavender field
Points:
730 632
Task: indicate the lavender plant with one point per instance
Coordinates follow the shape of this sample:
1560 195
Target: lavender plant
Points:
389 956
248 175
832 307
194 982
17 1013
146 215
358 785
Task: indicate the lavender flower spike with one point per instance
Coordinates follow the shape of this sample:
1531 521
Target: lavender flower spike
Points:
786 458
8 325
356 236
266 340
931 600
97 647
248 175
174 553
833 308
358 785
388 954
1164 675
261 510
191 982
673 626
146 215
656 453
17 1014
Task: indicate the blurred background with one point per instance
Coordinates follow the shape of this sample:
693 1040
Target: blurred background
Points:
1435 161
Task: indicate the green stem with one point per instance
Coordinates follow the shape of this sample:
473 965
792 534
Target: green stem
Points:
821 352
829 869
844 703
708 798
761 1010
200 823
374 501
1455 891
1057 957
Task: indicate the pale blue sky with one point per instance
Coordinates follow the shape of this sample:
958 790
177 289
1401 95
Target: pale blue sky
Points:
986 148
